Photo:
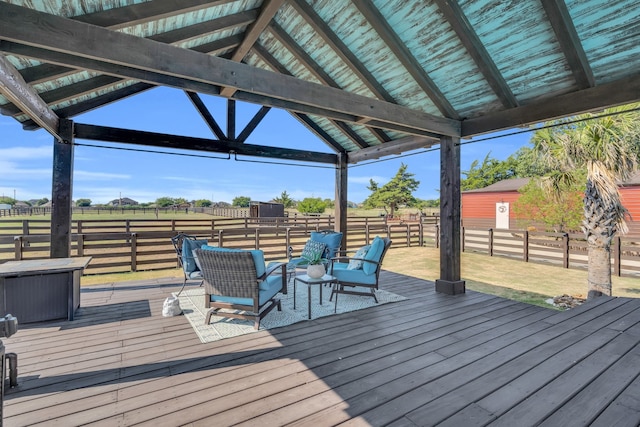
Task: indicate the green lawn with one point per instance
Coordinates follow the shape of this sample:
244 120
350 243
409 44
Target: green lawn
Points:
527 282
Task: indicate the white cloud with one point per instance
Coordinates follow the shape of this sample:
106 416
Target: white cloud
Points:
98 176
365 179
26 153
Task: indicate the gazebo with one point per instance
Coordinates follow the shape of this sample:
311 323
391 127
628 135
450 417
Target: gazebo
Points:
369 78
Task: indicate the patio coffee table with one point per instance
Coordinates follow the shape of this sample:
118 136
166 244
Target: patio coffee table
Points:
309 281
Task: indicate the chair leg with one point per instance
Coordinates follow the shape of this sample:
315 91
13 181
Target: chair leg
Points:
210 313
184 283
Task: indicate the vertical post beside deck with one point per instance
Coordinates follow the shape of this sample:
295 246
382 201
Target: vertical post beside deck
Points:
450 247
62 192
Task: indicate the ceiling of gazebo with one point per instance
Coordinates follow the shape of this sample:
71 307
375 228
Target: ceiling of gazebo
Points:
369 77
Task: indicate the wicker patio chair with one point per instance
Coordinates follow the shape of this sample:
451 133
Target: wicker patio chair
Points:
360 271
237 284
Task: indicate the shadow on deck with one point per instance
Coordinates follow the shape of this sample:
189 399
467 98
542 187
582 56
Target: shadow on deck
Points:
472 359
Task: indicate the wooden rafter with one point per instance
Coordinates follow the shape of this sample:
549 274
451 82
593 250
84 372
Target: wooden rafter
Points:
122 54
569 42
142 13
406 58
470 40
268 11
15 89
340 49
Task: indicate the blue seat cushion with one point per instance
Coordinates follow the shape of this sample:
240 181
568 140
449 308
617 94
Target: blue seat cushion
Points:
188 262
374 254
268 289
343 274
258 256
332 240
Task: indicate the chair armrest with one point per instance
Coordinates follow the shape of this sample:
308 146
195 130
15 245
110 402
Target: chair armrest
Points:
274 267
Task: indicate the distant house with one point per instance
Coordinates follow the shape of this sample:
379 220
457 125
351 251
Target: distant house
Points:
492 206
123 201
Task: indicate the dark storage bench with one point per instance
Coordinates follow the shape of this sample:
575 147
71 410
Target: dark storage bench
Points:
40 290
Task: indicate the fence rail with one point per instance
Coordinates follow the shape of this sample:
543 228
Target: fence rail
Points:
563 249
145 244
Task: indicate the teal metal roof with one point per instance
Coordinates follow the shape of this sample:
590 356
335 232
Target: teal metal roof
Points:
477 65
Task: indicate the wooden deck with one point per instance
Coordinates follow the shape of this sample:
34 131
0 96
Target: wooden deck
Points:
472 359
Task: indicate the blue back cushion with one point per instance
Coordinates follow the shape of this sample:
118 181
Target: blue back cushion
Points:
257 254
374 254
188 262
332 240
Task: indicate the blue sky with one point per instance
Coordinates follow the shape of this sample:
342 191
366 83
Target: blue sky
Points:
104 174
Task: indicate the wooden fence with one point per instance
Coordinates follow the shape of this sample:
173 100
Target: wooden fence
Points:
566 250
145 244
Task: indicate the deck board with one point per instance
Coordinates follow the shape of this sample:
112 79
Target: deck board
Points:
472 359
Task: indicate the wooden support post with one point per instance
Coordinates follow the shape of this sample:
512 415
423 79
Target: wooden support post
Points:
525 246
449 281
341 198
62 191
565 250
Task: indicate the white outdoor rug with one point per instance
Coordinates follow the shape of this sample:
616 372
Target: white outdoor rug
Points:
192 304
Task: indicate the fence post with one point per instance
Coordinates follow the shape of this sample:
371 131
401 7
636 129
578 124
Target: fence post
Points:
525 246
287 241
17 243
25 229
617 256
257 238
491 242
437 237
134 251
220 233
80 245
408 236
420 234
565 250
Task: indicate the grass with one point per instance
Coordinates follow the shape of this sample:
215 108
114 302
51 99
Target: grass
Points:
513 279
527 282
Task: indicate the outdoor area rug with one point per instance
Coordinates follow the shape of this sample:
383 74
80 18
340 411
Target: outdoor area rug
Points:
192 304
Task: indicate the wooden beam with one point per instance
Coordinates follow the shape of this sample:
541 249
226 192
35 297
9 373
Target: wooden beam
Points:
206 114
569 40
149 61
450 248
253 123
460 24
390 148
62 192
268 11
570 104
142 13
19 93
153 139
406 58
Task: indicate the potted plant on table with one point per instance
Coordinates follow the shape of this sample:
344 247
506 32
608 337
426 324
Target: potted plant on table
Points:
315 267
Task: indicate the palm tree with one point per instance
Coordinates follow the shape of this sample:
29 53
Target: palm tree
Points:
606 148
